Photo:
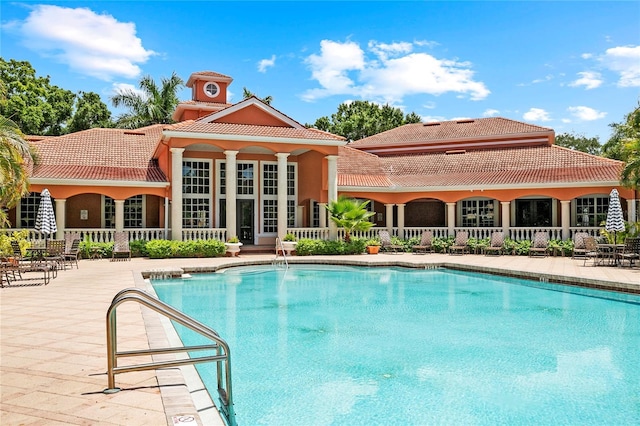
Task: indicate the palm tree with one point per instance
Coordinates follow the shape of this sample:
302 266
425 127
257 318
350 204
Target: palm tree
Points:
246 93
14 156
630 176
152 105
350 215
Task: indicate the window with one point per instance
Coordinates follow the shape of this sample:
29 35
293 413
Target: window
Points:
591 211
29 210
270 215
533 212
133 212
477 213
211 89
270 196
196 193
315 214
245 178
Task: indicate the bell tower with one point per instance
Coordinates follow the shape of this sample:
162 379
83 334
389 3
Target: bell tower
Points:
208 94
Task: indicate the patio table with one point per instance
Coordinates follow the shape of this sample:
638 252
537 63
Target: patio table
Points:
608 252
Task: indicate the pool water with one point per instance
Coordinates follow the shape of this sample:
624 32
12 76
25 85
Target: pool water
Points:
316 345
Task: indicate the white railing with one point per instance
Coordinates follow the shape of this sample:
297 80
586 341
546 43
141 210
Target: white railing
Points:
594 231
518 234
311 233
204 234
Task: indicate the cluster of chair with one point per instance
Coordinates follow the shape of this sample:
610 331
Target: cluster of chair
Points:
460 244
587 247
42 265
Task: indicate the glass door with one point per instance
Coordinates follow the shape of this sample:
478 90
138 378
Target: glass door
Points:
244 220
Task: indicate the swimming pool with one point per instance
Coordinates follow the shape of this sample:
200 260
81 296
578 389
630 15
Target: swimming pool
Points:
330 345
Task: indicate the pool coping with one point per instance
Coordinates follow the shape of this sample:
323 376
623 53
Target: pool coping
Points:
194 400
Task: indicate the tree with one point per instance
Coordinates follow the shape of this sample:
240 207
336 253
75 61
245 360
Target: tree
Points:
350 215
579 143
152 105
39 108
624 145
360 119
90 112
246 93
14 155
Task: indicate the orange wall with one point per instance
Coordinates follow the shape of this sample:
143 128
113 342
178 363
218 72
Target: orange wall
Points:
311 183
200 95
90 202
117 193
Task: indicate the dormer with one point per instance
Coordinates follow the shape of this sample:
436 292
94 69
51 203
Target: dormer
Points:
208 94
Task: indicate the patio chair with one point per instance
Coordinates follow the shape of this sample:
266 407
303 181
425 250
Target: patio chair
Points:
460 243
578 244
591 251
121 248
540 244
496 245
387 245
425 243
19 268
55 253
630 253
72 253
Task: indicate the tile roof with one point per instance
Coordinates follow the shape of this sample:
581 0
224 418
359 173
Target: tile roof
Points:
216 76
258 131
505 166
431 133
101 154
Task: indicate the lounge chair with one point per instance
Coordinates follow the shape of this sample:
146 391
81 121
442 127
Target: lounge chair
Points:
20 269
540 244
579 248
460 243
496 245
387 245
425 243
630 253
121 248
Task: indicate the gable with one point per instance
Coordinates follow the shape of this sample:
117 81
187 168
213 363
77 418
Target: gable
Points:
252 114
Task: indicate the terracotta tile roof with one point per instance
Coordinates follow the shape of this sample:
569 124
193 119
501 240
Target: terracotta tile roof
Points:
206 104
431 133
212 76
358 168
254 130
506 166
101 154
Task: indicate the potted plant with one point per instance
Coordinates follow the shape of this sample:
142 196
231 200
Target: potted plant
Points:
373 246
289 243
233 246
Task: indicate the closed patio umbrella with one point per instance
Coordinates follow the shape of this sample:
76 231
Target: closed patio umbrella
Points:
614 222
46 220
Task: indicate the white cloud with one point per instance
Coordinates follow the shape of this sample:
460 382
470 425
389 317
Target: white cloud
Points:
89 43
117 88
586 55
536 114
266 63
387 73
490 113
624 60
588 79
433 118
585 113
566 120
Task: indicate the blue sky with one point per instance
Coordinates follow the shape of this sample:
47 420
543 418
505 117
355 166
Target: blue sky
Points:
571 66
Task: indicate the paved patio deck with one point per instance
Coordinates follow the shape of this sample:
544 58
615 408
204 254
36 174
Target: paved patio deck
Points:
52 341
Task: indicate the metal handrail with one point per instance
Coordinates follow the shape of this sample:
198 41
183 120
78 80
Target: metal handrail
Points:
284 253
222 357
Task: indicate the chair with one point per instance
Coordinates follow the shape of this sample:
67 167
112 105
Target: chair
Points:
386 244
540 244
55 253
425 243
630 253
496 245
13 271
72 253
121 248
578 244
460 243
591 251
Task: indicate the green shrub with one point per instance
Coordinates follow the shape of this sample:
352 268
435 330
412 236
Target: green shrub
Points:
442 244
162 249
138 248
308 247
88 248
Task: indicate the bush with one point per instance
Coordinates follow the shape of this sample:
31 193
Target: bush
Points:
162 249
138 248
308 247
88 247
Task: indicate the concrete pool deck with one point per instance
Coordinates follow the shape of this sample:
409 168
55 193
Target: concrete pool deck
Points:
53 347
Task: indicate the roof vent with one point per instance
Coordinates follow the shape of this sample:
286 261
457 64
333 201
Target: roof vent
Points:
131 132
431 124
456 151
465 121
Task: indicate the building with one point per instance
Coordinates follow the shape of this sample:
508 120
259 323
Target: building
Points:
172 181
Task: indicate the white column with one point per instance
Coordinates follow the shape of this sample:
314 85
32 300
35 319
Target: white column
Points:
565 212
176 193
451 218
61 210
299 216
389 217
631 210
401 220
332 186
322 212
282 194
231 173
506 217
119 204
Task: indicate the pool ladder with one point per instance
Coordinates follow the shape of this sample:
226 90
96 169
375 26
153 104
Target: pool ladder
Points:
280 249
222 356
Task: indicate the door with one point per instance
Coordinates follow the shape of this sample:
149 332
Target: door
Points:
244 221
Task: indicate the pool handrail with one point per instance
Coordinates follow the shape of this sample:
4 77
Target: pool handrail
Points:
222 357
